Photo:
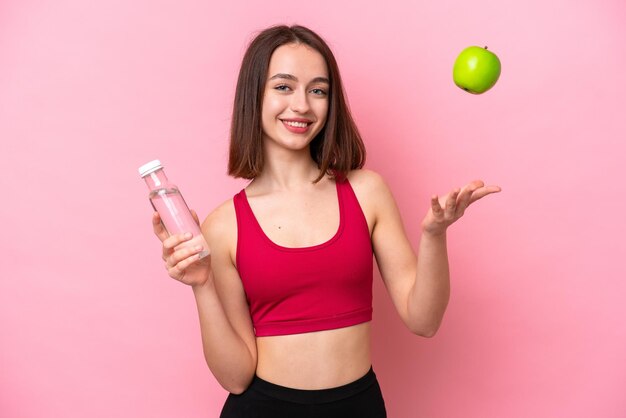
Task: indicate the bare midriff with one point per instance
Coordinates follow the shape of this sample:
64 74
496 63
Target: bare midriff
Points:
315 360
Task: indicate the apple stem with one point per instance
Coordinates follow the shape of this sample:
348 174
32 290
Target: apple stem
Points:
485 47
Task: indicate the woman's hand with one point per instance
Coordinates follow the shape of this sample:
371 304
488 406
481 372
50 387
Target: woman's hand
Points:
183 262
448 209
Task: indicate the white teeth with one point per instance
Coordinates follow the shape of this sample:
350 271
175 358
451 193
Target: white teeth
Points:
296 124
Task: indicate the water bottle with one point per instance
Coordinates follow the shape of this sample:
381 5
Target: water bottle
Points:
168 201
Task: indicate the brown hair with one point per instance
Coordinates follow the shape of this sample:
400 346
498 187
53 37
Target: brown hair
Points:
337 148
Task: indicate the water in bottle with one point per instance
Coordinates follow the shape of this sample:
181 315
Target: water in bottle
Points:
168 201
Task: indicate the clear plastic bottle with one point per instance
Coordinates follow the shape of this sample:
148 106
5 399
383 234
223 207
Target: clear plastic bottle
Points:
168 201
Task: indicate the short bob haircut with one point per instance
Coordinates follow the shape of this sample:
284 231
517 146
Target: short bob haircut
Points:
337 148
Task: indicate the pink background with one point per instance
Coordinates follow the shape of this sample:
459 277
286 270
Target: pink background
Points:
90 324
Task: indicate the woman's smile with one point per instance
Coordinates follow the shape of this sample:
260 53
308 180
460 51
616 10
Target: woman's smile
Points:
297 126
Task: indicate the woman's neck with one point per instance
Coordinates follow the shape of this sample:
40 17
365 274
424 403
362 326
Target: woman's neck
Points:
289 170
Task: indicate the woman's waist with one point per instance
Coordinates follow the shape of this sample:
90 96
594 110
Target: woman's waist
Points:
315 360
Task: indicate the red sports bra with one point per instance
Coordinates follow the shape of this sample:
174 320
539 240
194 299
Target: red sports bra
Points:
297 290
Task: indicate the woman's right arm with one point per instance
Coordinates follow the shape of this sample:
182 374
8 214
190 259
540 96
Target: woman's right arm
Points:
228 338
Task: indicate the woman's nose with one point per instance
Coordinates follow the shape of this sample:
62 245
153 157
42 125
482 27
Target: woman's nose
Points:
299 101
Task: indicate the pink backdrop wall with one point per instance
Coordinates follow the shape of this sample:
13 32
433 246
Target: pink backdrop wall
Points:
90 324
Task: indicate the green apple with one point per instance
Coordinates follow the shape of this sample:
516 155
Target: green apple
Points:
476 69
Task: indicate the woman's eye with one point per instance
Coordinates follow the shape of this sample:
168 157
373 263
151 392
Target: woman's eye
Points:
319 92
282 87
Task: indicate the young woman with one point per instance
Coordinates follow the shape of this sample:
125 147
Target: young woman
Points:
285 298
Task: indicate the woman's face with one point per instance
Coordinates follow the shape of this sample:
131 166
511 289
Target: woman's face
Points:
295 101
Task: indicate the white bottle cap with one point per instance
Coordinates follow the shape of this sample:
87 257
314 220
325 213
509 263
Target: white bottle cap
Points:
150 167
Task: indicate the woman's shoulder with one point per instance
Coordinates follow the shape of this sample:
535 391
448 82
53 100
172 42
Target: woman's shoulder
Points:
221 223
366 182
371 191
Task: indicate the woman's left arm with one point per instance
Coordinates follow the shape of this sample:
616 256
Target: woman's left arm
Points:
419 286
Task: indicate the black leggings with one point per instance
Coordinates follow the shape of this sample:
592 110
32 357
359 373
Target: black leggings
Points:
361 398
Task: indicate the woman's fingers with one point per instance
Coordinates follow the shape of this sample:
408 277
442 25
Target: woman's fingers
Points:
436 207
455 204
472 192
458 200
178 257
180 260
484 191
170 243
178 270
174 240
465 196
158 228
451 204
